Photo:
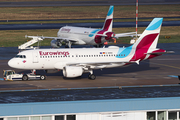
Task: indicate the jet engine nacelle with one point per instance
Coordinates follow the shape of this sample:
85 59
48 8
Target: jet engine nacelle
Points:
110 35
71 71
55 44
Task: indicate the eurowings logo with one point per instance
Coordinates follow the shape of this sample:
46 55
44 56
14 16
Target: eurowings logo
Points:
24 61
65 30
54 53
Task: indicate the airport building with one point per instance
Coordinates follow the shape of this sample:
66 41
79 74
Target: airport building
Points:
138 103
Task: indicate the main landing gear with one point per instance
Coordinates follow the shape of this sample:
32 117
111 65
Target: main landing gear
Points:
91 76
68 45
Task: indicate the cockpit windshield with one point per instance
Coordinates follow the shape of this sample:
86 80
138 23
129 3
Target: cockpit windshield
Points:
20 56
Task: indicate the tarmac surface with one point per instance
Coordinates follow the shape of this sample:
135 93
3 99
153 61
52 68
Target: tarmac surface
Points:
89 94
162 70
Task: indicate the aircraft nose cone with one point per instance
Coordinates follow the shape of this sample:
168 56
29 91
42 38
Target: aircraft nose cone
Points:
10 63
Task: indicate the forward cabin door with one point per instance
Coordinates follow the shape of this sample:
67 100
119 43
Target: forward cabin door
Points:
35 57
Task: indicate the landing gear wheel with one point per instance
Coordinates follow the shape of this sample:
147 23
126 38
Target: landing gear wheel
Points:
92 76
25 77
42 77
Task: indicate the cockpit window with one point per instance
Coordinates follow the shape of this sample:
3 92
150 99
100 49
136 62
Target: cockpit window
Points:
20 56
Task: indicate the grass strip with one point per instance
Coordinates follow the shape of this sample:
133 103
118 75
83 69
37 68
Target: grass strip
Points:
13 38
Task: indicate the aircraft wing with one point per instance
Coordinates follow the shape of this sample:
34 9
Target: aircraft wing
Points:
56 38
61 39
130 34
100 65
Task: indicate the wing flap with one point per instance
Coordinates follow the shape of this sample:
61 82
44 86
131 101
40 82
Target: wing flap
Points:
100 65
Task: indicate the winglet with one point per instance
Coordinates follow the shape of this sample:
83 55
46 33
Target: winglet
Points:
137 61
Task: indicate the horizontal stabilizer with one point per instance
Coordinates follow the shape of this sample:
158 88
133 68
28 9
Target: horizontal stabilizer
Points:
159 53
130 34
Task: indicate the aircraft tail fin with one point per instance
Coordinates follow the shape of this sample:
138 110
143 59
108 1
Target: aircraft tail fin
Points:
145 46
109 20
149 38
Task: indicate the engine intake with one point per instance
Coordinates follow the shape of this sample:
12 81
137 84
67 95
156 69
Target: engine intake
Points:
71 71
55 44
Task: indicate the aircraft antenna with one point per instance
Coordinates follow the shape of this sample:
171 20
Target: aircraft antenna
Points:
136 17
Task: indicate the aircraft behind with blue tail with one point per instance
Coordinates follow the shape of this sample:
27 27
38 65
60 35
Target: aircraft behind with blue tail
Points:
76 61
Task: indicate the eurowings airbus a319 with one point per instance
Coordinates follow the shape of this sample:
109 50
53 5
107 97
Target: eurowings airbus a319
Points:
86 36
76 61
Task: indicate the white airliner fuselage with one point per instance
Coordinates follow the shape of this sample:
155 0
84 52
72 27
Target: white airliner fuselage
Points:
59 58
84 36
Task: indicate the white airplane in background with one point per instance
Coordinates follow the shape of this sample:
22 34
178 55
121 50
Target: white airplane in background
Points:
89 36
76 61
